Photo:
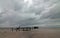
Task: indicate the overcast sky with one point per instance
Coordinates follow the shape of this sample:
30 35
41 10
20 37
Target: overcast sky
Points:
29 13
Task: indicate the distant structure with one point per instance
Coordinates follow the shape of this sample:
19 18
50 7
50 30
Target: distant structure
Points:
25 28
18 28
36 27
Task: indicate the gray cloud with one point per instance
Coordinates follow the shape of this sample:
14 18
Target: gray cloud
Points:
40 13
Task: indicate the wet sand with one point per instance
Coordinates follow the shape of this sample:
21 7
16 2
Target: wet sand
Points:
40 33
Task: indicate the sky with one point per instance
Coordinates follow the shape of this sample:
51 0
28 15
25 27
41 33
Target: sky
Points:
41 13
